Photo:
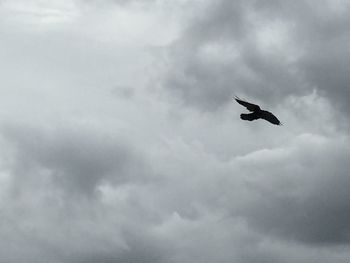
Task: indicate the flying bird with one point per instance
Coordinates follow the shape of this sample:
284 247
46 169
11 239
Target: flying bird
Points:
256 113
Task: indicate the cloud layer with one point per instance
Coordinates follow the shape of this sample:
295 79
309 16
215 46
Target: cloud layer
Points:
264 49
120 142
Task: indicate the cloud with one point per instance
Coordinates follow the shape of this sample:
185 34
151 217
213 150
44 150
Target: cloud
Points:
300 191
77 161
119 2
267 50
98 164
255 207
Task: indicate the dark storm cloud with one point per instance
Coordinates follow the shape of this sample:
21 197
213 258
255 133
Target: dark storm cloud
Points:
78 160
263 49
304 196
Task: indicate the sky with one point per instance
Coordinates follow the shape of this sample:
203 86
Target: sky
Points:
120 141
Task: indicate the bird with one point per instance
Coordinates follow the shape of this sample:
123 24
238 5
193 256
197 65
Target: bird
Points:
257 113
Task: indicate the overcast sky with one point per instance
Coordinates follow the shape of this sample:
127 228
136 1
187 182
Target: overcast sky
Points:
120 141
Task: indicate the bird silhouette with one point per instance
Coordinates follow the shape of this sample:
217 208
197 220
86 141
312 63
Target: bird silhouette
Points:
256 113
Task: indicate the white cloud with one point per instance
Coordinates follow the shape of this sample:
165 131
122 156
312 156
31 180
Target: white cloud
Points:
40 13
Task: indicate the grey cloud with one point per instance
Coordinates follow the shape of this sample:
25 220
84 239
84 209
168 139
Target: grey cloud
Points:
314 54
103 173
124 91
79 161
208 84
305 196
118 2
269 205
141 247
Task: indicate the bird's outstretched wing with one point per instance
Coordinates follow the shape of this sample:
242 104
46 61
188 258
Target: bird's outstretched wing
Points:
268 116
249 106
